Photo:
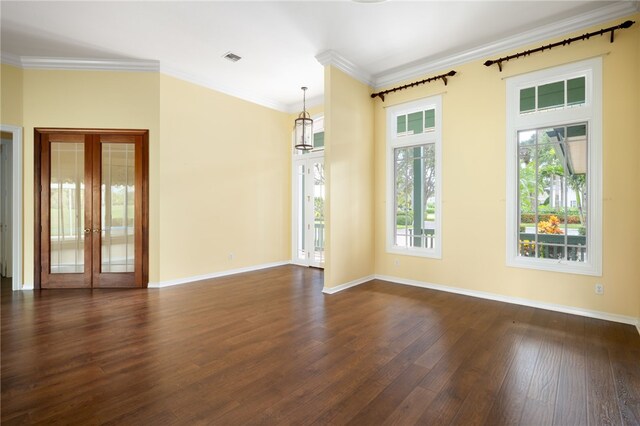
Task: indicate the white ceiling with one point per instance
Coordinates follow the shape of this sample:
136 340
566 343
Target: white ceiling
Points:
278 41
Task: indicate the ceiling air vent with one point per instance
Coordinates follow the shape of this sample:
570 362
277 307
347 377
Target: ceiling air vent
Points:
231 56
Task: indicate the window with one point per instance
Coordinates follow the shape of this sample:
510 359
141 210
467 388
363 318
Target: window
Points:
318 133
414 178
554 147
556 94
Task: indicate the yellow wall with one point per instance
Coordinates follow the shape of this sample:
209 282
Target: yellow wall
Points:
219 166
474 181
225 182
11 95
220 173
91 99
349 171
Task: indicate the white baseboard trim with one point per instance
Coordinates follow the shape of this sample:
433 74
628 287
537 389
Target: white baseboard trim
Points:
516 300
335 289
195 278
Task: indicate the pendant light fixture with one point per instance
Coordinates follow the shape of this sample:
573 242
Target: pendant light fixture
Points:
303 126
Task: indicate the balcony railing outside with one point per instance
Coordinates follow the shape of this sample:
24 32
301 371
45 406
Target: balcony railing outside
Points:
552 246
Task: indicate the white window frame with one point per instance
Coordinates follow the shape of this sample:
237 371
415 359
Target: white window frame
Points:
589 112
394 141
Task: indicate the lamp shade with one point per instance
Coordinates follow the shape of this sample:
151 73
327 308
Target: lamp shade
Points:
304 132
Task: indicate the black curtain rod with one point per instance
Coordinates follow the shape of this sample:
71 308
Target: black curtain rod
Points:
566 42
442 77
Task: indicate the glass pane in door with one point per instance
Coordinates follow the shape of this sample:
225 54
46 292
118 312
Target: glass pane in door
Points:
318 212
117 207
66 208
300 212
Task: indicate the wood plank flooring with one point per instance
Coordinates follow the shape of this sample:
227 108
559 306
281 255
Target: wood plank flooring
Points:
268 347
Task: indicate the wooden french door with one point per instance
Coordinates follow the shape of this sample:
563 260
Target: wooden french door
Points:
92 208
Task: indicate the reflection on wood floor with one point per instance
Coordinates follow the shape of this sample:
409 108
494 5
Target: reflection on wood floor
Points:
268 347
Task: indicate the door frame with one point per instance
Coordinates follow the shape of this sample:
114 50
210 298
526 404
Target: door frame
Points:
38 132
16 200
310 157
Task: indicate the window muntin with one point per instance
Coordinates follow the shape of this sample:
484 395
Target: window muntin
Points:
552 95
553 177
414 178
572 132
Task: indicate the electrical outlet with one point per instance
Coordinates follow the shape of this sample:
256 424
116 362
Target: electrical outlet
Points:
230 256
599 288
396 262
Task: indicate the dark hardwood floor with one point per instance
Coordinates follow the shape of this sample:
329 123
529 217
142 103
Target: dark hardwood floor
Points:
269 348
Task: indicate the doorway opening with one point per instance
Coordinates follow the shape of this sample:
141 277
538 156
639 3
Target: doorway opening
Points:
308 210
11 206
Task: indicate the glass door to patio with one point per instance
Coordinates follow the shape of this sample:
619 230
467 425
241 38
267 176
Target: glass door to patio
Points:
308 210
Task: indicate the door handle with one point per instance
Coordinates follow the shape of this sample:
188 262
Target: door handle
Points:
87 230
97 230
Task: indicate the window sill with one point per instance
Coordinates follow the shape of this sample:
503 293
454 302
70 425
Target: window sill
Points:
549 265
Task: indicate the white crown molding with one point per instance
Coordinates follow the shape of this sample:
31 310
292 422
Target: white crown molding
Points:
33 62
296 107
195 278
10 59
331 57
37 62
425 66
231 91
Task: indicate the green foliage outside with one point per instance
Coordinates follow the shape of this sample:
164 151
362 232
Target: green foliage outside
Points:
549 166
403 219
406 160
